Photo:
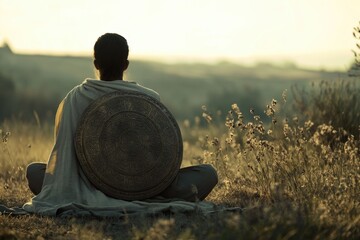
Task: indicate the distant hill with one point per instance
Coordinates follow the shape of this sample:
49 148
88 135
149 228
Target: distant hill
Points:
40 82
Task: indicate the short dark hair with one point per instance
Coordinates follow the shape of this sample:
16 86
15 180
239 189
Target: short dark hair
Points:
111 53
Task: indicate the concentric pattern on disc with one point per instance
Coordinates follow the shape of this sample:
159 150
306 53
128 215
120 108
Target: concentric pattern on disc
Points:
129 145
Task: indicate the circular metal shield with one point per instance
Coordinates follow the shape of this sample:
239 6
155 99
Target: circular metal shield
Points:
129 145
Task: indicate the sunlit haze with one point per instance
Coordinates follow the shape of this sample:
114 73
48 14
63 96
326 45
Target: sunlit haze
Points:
311 33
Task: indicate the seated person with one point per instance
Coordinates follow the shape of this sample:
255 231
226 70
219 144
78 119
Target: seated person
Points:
61 181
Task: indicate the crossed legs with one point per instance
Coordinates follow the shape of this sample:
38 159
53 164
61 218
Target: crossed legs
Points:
191 184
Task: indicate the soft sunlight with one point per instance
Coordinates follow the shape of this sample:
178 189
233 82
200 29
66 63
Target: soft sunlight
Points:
314 33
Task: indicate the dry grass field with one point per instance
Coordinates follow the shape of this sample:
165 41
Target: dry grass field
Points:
295 177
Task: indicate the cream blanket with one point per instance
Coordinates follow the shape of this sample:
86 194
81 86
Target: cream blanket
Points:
66 189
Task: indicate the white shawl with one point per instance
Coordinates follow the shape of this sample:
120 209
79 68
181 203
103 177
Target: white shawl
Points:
66 189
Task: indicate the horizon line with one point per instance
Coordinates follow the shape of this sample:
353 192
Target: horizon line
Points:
275 60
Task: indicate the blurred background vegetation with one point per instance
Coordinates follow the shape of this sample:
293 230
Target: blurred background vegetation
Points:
34 84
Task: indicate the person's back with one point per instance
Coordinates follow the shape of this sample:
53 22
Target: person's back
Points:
62 181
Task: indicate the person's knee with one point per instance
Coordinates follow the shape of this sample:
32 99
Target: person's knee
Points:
30 169
192 183
210 172
210 179
35 176
33 169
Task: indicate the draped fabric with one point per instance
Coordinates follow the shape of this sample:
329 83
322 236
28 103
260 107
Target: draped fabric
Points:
66 190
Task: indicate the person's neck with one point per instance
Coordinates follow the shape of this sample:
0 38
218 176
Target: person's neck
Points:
111 78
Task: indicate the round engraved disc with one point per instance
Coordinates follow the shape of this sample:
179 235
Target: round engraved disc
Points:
129 145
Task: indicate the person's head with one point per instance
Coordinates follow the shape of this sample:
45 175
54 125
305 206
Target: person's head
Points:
111 56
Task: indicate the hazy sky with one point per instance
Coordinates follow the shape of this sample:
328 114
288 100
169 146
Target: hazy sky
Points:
316 33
